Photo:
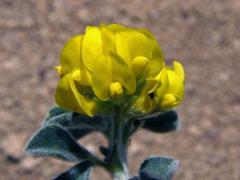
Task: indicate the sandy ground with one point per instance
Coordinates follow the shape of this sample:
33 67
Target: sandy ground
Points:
203 34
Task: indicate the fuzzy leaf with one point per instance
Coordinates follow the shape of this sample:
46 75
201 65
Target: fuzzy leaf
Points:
161 122
78 121
99 123
79 125
67 121
158 168
54 111
62 119
80 171
78 133
55 141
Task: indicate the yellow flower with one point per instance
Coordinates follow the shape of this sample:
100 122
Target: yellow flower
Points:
175 91
164 91
107 63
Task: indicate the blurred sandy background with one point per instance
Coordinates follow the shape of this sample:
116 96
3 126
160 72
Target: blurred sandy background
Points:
203 34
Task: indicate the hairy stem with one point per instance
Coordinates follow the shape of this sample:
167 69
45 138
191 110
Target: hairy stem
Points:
119 164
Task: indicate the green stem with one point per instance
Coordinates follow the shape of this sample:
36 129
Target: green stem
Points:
119 164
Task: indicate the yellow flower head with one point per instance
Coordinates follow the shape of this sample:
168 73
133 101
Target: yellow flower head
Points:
164 91
108 62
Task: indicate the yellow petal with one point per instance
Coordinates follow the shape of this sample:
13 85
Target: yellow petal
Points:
115 89
102 77
179 70
122 73
131 43
176 85
156 60
87 105
139 64
64 95
108 39
163 84
175 90
169 101
82 76
115 27
149 86
76 75
91 46
59 70
114 70
70 55
143 104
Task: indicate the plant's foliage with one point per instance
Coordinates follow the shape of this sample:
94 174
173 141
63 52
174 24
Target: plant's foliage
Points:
53 140
78 133
99 123
76 124
158 168
54 111
161 122
80 171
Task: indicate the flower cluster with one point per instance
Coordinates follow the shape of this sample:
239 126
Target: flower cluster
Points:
111 62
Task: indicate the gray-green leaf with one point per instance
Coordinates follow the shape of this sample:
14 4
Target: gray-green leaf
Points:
161 122
54 111
158 168
80 171
53 140
79 125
